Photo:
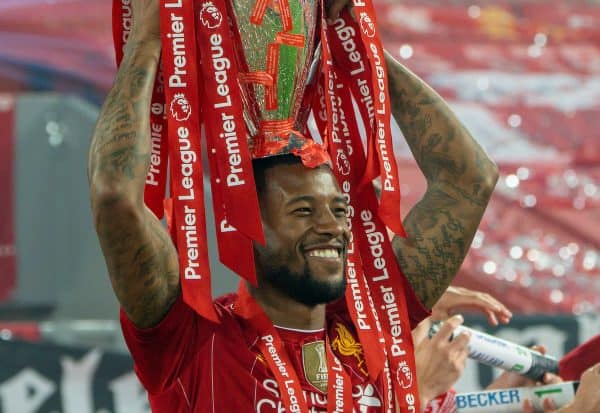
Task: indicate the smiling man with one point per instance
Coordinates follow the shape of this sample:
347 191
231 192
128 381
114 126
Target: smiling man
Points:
304 219
189 364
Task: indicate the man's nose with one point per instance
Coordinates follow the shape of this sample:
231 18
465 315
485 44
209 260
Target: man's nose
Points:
327 223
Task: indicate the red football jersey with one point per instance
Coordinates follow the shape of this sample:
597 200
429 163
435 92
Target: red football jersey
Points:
189 364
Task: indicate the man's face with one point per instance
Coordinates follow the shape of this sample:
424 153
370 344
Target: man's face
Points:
304 218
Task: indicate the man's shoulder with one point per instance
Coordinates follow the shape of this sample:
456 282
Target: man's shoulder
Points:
225 301
224 305
228 318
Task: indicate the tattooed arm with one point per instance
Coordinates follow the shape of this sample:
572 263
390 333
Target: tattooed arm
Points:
141 259
460 180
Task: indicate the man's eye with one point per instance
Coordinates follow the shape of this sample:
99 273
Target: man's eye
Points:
302 211
340 211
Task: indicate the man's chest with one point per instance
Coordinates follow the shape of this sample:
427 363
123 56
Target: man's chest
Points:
237 378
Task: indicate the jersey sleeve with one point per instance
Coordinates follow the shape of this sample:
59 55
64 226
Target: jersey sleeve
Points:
159 353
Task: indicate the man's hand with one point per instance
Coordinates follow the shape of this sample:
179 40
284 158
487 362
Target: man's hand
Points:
440 362
549 407
458 298
587 398
146 20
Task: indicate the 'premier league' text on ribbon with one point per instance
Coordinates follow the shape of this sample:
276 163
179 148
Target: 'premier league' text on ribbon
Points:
347 36
221 65
157 129
187 154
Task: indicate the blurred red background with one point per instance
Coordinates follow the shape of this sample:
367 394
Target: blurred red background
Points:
524 77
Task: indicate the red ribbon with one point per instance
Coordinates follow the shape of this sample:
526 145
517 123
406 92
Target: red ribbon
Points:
385 282
183 109
381 134
232 180
358 298
122 20
156 179
339 386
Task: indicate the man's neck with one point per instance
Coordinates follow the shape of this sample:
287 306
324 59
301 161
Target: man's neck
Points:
286 312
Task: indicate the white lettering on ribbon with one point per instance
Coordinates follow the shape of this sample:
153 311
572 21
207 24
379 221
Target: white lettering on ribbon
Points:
338 385
347 36
177 37
126 21
157 110
364 395
221 65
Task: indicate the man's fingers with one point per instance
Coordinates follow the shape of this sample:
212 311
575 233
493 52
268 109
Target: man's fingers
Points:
492 318
459 344
448 327
459 347
457 298
494 307
549 405
550 378
528 406
462 340
505 319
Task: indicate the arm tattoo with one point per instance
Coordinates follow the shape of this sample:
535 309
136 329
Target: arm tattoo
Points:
141 259
460 179
120 148
436 245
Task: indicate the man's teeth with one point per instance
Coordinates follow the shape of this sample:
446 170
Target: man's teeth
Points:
324 253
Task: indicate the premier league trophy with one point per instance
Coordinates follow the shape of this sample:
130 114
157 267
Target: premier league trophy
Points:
275 45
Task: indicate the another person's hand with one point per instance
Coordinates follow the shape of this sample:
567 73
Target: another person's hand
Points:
549 407
509 379
458 298
587 398
439 361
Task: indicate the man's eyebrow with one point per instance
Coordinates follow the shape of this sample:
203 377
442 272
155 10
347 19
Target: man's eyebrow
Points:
341 199
306 198
309 198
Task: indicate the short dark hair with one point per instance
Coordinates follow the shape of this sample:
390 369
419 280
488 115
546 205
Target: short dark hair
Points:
261 165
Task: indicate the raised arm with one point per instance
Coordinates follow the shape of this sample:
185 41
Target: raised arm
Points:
460 180
139 254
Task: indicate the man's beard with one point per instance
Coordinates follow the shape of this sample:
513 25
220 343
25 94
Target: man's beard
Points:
304 287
